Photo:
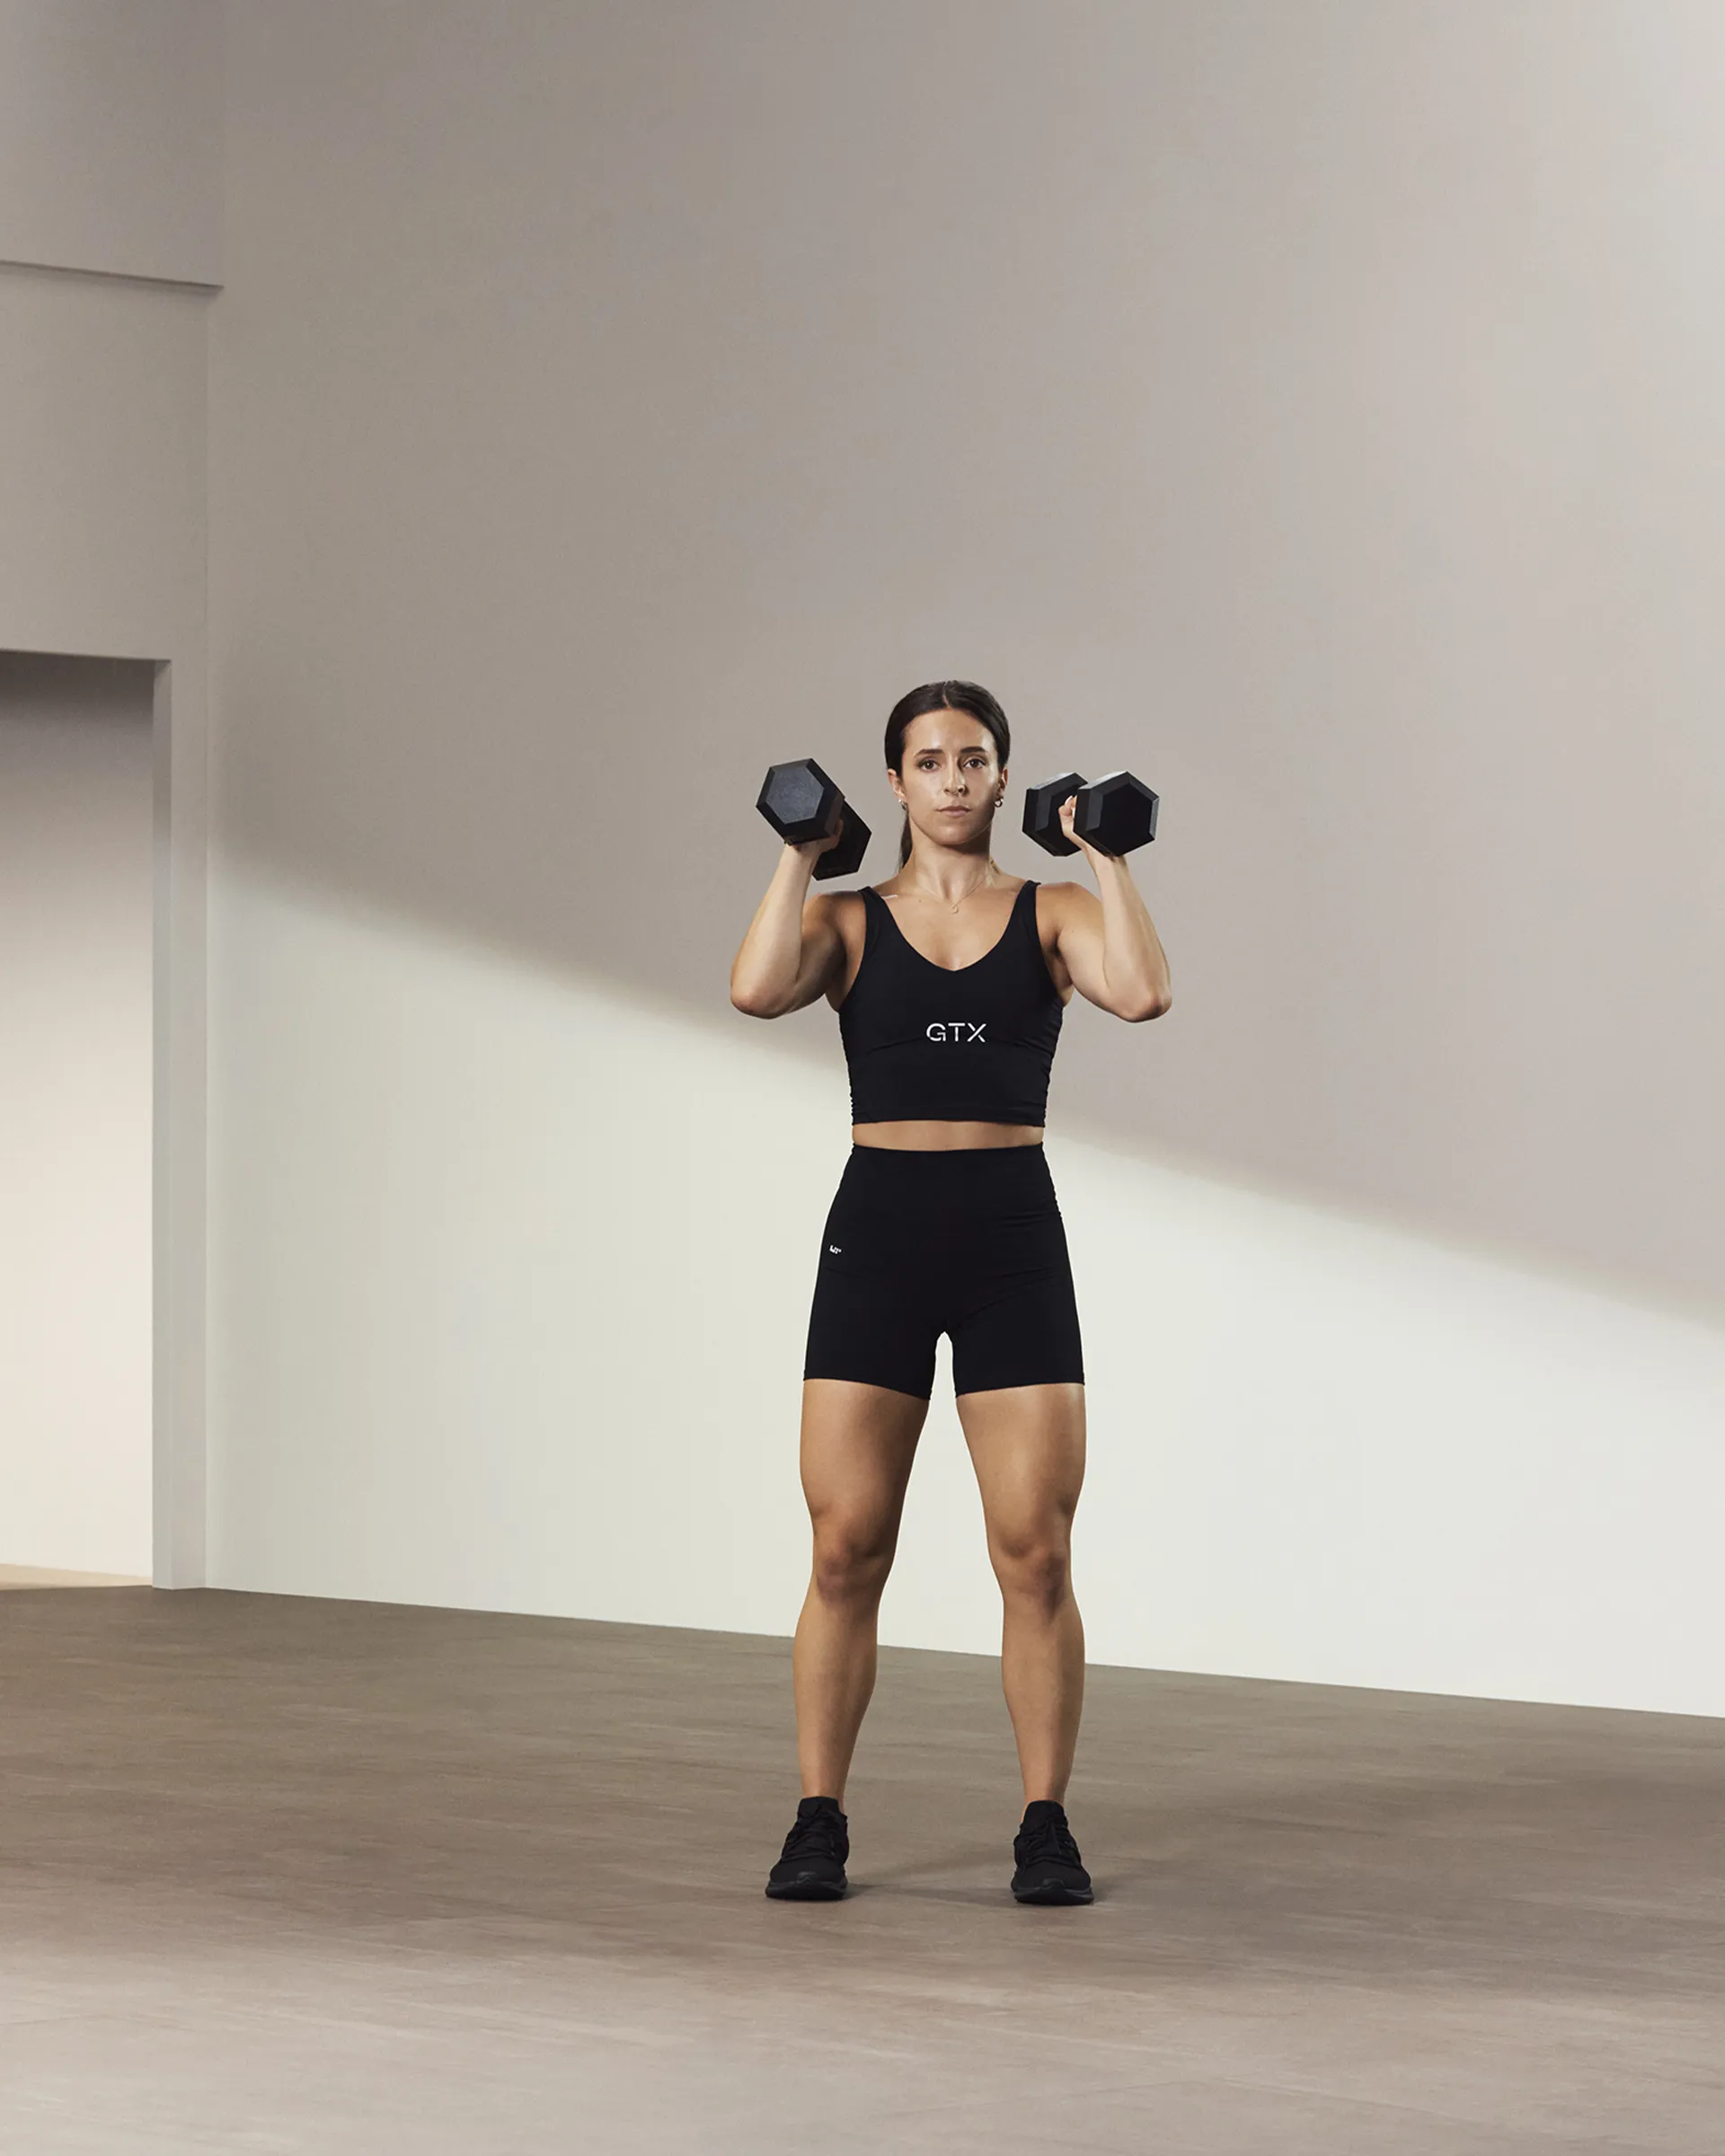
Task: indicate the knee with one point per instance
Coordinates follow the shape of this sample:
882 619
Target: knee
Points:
852 1561
1034 1568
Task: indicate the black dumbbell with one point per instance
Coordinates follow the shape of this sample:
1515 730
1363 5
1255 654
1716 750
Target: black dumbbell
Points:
802 803
1114 814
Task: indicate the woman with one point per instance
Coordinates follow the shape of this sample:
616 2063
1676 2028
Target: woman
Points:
949 982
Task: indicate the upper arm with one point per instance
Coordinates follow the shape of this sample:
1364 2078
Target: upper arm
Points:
1078 937
821 962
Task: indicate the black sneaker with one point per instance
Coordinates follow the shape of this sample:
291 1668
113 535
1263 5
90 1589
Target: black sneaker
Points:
812 1866
1049 1868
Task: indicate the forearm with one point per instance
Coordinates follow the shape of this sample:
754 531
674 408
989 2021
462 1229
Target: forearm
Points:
1134 967
764 972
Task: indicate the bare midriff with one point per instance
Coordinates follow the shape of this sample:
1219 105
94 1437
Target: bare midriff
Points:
944 1137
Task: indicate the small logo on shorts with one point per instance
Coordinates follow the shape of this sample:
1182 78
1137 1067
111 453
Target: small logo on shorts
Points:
834 1248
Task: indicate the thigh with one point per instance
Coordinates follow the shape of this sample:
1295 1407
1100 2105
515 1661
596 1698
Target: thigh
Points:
873 1319
1027 1447
1016 1319
858 1444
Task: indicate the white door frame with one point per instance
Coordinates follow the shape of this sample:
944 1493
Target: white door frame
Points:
179 1271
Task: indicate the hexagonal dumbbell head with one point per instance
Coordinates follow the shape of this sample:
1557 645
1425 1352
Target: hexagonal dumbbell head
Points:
1116 813
799 801
1043 812
802 803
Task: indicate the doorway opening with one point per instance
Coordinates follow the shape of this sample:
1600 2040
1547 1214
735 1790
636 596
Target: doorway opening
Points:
77 848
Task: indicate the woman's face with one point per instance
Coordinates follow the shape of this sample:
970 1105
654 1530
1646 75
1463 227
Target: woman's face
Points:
949 781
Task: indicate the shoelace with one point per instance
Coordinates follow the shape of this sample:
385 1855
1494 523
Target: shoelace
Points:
1049 1838
817 1836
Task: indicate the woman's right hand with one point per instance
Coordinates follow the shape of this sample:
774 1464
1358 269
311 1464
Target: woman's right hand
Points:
811 849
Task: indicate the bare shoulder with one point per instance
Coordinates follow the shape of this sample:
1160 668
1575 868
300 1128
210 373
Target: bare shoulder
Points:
841 908
1064 904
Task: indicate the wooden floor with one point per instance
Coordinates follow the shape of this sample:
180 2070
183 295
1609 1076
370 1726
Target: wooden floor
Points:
288 1876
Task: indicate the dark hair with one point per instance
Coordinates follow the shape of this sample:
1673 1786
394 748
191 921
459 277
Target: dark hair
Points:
943 696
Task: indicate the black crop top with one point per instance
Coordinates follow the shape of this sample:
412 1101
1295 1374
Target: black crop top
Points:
970 1044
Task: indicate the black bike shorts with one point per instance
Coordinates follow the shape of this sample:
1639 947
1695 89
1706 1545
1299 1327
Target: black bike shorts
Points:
968 1242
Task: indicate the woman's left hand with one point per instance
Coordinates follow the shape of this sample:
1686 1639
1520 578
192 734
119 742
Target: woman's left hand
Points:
1093 854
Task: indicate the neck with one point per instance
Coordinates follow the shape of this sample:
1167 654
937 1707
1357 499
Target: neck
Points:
951 875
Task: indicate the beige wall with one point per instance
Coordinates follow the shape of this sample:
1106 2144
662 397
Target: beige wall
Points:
76 845
1311 407
110 137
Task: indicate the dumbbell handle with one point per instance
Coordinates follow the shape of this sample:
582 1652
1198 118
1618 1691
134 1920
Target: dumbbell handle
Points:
846 858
